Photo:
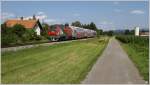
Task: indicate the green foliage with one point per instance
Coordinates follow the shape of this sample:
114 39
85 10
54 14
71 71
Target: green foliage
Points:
109 33
99 32
129 32
7 39
19 30
93 26
18 35
7 35
66 24
134 39
29 35
45 30
87 26
76 23
38 37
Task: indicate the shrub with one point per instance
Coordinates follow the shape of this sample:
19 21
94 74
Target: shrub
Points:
29 35
38 37
143 41
7 39
19 30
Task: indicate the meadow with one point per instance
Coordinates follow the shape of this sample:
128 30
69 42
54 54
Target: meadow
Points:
60 63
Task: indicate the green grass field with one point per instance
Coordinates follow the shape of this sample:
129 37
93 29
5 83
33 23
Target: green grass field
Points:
138 51
60 63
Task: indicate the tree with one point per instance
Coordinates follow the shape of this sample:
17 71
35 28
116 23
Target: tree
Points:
45 30
66 24
110 33
132 32
7 35
30 34
93 26
127 32
19 29
3 28
76 23
99 32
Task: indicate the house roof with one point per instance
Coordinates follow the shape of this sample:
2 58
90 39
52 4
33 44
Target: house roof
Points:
25 23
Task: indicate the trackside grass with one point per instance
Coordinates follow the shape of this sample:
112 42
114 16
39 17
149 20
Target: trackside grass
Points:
59 63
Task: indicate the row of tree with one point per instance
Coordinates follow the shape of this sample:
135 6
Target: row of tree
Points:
91 26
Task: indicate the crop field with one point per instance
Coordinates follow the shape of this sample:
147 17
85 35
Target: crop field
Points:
60 63
138 49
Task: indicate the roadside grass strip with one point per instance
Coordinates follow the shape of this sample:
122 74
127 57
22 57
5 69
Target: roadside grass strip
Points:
139 56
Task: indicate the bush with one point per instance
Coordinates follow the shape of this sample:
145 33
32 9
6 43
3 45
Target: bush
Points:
7 39
38 37
45 30
29 35
143 41
19 30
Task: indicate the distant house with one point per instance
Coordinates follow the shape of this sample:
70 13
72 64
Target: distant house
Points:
28 24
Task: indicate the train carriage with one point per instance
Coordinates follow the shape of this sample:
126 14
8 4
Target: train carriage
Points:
74 32
66 32
56 32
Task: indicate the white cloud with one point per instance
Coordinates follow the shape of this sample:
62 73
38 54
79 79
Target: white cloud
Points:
49 20
41 17
137 12
27 18
40 13
54 21
76 14
117 10
6 15
105 23
116 2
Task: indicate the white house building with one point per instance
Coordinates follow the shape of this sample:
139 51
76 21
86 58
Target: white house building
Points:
28 24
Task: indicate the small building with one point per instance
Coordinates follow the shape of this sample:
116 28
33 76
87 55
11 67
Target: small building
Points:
137 30
141 33
28 24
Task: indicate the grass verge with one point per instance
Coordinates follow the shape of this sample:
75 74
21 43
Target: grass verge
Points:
139 55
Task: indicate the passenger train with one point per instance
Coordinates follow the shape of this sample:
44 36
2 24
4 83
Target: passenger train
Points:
59 32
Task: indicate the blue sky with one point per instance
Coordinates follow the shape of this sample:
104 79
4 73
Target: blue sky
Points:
105 14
